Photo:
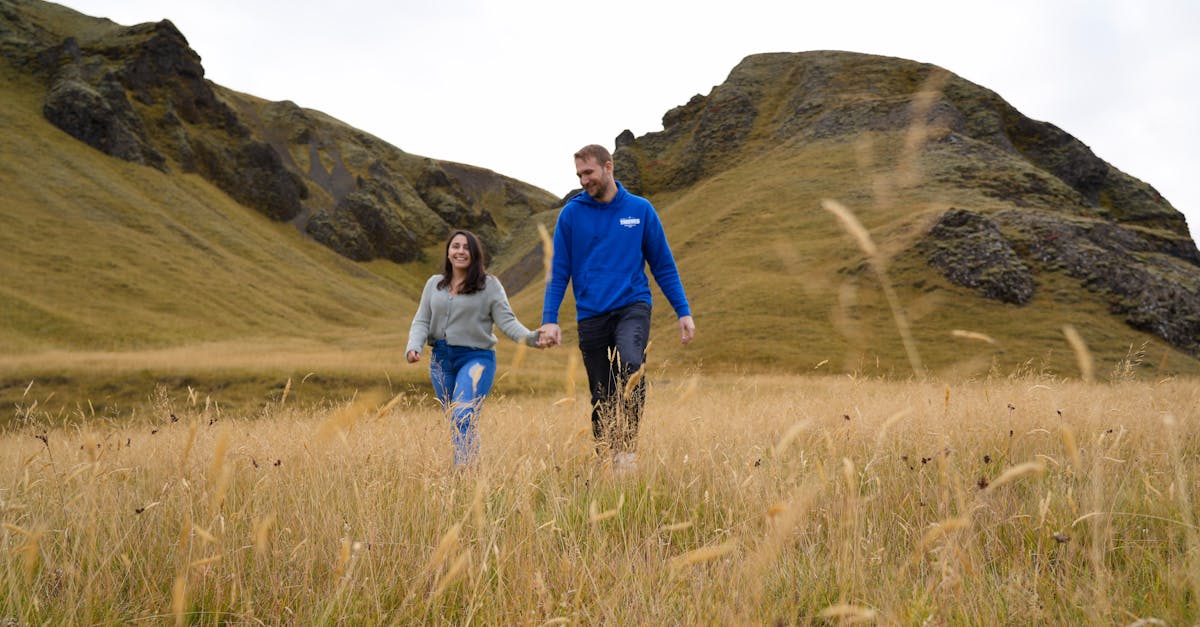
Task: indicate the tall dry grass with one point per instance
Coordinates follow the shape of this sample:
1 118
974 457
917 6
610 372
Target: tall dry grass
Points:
766 499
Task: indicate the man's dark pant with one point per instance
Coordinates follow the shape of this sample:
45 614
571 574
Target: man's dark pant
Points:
614 349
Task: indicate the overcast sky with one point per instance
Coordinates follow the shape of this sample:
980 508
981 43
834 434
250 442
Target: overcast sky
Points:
518 85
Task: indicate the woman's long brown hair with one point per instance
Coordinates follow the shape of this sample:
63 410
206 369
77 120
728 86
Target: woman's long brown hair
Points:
476 279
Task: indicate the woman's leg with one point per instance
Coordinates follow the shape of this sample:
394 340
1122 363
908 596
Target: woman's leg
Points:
444 367
441 374
473 380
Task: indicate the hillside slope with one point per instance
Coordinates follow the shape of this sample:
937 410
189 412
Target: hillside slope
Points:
100 253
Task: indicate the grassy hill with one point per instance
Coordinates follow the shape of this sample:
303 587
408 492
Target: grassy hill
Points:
101 255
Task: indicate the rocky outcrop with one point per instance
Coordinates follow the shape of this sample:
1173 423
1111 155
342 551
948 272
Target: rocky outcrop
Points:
982 115
371 200
1152 287
139 94
371 223
446 198
101 117
712 131
969 250
1149 281
249 171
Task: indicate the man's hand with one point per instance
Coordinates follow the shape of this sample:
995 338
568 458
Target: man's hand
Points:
549 334
413 357
687 329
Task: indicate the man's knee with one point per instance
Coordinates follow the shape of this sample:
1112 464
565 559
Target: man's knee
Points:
631 367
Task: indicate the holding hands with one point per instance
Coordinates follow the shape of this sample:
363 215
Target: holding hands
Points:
549 335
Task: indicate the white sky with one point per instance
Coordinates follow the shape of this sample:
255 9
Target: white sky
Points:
518 85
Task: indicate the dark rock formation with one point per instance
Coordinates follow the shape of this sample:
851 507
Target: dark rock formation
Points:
103 93
1147 280
251 173
1154 289
101 117
713 130
625 166
984 116
969 250
369 223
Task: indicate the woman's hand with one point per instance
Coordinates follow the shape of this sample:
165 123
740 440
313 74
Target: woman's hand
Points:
413 357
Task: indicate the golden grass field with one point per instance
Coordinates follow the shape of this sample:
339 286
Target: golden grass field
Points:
1020 499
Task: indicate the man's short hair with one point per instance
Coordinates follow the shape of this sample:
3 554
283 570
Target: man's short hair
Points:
594 151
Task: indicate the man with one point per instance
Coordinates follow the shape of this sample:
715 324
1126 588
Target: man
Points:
604 239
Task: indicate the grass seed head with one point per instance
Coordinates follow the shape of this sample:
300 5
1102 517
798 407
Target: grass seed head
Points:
447 544
1016 472
547 249
1083 356
845 613
701 555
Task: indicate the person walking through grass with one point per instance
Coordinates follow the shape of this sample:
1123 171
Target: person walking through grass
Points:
457 312
603 241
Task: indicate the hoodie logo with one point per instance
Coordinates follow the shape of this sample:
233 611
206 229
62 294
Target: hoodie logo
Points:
629 223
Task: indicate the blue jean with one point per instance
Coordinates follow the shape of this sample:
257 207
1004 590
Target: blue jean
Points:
461 393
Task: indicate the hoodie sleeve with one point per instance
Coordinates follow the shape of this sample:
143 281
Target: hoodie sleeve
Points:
560 268
662 264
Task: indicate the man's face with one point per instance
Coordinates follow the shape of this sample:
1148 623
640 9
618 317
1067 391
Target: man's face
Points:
594 178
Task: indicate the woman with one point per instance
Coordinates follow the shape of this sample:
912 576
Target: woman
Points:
458 308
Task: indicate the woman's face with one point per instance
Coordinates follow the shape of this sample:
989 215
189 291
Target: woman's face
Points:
459 253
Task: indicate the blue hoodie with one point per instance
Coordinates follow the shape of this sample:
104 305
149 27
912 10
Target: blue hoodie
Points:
602 249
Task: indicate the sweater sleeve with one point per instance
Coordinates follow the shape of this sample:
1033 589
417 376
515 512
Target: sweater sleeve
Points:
662 264
418 332
503 316
560 268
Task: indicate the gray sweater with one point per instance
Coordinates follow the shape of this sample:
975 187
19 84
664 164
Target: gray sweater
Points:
465 319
